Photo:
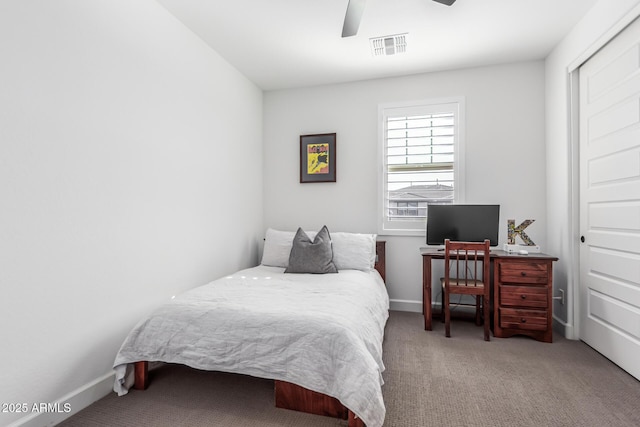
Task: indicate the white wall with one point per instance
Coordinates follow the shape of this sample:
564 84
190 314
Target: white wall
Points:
129 153
505 155
590 33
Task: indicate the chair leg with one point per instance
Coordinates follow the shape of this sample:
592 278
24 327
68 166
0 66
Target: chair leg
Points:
478 299
447 316
442 306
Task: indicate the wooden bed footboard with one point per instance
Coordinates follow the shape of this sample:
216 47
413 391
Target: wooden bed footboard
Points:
297 398
287 396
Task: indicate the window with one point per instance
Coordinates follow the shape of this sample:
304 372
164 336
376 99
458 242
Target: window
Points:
422 161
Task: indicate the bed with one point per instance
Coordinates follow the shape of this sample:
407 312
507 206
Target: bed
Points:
318 336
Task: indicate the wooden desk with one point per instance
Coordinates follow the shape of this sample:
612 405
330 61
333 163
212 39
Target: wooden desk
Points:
522 292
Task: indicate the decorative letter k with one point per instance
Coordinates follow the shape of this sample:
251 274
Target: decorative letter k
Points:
512 231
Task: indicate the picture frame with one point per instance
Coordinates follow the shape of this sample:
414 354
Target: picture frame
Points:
318 158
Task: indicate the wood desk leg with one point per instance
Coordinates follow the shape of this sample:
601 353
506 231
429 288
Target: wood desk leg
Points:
426 292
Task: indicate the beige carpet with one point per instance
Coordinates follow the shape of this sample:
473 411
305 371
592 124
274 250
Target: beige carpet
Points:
430 381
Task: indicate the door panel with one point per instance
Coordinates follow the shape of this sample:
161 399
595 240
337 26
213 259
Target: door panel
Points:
610 200
616 316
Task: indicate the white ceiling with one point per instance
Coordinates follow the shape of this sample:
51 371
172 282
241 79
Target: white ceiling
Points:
294 43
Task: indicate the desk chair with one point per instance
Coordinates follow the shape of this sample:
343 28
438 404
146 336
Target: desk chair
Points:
470 276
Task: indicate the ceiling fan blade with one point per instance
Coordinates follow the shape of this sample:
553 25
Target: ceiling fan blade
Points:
352 17
447 2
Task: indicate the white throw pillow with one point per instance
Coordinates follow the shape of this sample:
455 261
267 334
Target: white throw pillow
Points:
277 247
353 251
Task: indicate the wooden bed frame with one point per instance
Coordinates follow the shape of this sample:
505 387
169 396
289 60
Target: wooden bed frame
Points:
289 395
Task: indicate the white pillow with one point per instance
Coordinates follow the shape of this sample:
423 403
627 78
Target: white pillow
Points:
277 247
351 251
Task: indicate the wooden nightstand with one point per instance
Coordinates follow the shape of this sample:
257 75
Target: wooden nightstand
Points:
523 287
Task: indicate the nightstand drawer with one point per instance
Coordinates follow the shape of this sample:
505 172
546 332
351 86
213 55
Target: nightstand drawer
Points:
523 296
531 320
524 272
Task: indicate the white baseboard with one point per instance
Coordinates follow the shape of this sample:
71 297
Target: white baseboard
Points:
405 305
56 412
416 306
565 329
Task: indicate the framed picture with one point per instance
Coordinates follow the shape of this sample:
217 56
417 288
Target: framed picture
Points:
318 158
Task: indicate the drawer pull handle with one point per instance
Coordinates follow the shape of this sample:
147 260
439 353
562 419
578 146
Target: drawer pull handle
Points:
523 320
523 296
523 273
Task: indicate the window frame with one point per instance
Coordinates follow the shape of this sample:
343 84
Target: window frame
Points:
456 105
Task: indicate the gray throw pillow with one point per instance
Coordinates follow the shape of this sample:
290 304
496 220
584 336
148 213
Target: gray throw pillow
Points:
311 256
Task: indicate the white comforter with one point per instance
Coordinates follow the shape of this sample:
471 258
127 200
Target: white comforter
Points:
323 332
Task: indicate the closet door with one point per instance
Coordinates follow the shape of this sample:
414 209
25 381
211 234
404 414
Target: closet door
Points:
610 200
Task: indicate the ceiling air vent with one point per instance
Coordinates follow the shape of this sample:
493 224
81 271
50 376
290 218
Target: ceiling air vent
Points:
389 45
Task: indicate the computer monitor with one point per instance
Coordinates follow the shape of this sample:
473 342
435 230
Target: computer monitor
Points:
466 223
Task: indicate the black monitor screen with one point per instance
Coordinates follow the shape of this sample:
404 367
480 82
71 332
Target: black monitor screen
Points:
465 223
